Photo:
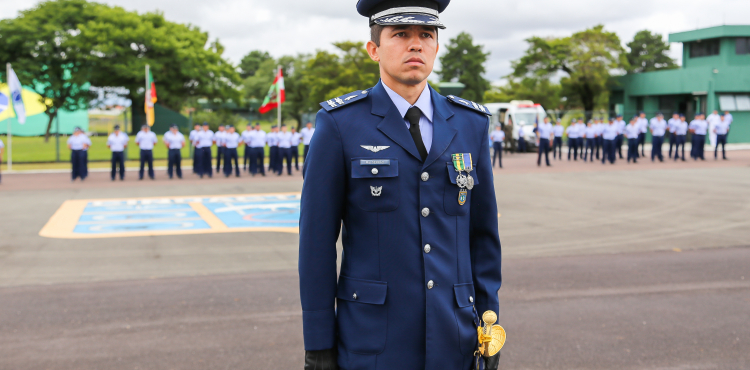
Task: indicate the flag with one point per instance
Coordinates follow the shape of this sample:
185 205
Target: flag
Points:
3 102
15 94
150 98
276 94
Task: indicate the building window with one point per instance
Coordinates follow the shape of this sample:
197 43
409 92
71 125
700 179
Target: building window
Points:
742 45
704 48
734 102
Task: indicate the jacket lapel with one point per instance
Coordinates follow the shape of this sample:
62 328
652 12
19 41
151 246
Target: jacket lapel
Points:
392 125
442 132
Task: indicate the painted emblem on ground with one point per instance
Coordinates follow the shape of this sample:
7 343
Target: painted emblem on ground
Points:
109 218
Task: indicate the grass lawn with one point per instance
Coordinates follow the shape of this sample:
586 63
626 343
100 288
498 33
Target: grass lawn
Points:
33 150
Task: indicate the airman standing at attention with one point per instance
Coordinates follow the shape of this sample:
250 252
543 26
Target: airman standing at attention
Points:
285 150
572 132
247 153
117 142
521 139
204 142
497 137
174 140
609 134
590 135
721 129
545 135
257 151
408 174
643 126
581 136
307 134
658 127
231 140
680 132
272 138
219 141
620 124
632 132
146 139
77 143
296 139
698 127
557 144
193 137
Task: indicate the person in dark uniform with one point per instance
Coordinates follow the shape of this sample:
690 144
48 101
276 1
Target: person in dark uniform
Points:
671 128
680 131
544 134
247 154
558 130
193 137
620 124
231 141
174 141
77 143
632 132
721 130
219 140
408 174
572 132
204 142
521 140
117 142
257 148
643 127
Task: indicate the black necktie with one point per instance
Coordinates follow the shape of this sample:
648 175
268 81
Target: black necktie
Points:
413 115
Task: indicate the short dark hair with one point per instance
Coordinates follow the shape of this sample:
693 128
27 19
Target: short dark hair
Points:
376 31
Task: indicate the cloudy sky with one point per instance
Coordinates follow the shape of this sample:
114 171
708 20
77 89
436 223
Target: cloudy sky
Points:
293 26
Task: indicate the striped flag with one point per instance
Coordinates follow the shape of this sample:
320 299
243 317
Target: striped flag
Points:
150 97
276 94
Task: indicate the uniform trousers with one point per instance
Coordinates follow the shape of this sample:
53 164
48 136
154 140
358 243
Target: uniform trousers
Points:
246 157
521 145
543 149
284 154
679 141
147 156
656 143
204 162
196 154
618 145
573 147
699 141
174 162
672 139
642 143
633 150
257 164
557 147
497 148
721 140
608 151
85 168
118 159
304 154
219 157
295 156
77 163
598 142
229 155
590 143
273 157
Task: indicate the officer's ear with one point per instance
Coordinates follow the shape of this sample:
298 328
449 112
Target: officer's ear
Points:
372 51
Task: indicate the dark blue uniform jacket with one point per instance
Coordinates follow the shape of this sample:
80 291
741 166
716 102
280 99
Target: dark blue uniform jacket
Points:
379 310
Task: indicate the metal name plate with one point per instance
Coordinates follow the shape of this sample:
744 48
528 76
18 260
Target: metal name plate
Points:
374 162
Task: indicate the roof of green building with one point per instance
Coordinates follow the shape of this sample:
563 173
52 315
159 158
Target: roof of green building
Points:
711 33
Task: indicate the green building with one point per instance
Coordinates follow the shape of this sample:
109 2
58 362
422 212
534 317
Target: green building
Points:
715 75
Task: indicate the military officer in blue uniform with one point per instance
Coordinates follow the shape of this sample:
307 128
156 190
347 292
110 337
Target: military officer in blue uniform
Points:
405 175
497 137
117 142
544 134
174 140
557 144
680 132
77 143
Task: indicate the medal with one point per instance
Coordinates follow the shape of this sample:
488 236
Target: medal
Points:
462 162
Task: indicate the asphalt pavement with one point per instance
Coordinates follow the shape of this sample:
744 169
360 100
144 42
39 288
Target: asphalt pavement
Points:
606 267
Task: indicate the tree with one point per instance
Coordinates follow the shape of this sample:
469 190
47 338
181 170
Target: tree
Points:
251 62
538 90
649 52
465 61
43 46
330 75
587 58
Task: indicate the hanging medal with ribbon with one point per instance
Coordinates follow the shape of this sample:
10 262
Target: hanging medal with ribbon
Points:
462 162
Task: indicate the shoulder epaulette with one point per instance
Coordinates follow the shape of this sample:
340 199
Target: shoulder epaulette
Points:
343 100
469 104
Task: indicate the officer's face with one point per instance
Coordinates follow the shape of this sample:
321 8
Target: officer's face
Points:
309 125
205 128
406 53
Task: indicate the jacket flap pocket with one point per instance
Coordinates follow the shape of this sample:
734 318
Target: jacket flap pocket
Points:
374 168
452 174
464 294
362 291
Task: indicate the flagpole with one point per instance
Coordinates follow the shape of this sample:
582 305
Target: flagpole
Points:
10 134
146 93
278 97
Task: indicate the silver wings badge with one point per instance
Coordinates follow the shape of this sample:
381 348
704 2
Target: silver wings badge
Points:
375 149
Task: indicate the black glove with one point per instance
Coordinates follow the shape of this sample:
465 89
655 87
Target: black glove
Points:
491 363
322 360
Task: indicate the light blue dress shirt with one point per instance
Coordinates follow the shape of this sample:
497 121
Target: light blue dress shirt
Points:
424 103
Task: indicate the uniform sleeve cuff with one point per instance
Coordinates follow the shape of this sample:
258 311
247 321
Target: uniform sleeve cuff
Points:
319 329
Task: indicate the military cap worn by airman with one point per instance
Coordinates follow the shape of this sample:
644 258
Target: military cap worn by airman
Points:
421 251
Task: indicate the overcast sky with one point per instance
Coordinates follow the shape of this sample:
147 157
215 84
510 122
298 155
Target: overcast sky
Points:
293 26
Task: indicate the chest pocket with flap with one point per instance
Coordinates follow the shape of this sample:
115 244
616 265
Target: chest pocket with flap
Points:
450 199
374 184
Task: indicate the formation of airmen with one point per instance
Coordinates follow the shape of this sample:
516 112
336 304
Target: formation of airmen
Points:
282 144
603 141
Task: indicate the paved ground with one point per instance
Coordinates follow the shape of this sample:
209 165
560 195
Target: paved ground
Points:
618 267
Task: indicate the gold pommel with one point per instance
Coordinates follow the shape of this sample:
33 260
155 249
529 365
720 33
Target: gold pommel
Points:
491 337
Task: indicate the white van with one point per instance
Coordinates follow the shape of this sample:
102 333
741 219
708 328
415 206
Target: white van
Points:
522 112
